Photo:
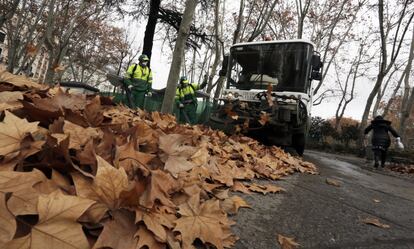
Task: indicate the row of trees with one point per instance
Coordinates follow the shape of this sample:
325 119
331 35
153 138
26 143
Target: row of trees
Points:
76 37
360 41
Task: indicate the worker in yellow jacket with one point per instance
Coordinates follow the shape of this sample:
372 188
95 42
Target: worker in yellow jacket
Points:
186 100
139 80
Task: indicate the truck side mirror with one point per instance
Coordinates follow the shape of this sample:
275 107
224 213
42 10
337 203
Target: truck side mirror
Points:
224 65
316 67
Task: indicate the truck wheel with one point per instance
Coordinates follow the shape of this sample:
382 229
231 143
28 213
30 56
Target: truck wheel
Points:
298 142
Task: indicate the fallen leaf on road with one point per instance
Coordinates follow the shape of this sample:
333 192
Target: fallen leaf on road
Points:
332 182
264 189
287 242
376 200
273 188
240 187
231 205
375 222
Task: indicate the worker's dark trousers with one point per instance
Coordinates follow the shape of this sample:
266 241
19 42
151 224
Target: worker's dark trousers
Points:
380 155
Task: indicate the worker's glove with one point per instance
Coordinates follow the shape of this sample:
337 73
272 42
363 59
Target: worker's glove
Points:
149 94
129 87
399 144
181 105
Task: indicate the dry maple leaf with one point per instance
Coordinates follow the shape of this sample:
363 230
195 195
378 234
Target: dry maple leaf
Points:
287 242
79 136
146 239
106 187
332 182
20 184
57 226
7 96
264 118
264 189
269 95
61 100
202 221
10 106
7 221
119 232
375 222
161 184
157 222
240 187
31 50
130 158
178 154
231 205
273 188
93 112
19 81
12 131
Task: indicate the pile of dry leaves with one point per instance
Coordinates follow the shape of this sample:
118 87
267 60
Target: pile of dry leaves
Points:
79 171
402 168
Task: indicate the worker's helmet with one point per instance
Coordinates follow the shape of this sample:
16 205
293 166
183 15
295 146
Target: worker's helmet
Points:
183 80
143 57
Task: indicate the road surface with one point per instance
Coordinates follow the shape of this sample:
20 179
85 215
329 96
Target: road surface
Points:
319 215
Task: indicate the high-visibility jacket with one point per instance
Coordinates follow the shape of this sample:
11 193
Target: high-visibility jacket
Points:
186 93
140 77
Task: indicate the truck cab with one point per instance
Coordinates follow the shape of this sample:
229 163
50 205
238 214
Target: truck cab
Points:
268 92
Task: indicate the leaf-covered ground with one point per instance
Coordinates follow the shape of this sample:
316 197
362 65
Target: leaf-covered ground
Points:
79 171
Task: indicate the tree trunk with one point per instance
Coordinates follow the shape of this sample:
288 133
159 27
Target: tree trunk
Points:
236 35
408 103
217 46
183 32
381 94
406 114
381 73
58 51
150 28
394 93
10 13
15 40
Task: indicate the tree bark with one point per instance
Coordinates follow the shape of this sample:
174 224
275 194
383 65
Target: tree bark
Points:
302 12
381 73
381 93
10 13
217 56
408 103
240 20
183 32
150 28
394 93
58 51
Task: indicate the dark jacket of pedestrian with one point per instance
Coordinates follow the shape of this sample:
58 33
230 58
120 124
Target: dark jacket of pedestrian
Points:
381 127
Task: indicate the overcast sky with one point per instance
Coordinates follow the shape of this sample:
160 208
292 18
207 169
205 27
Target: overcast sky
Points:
160 66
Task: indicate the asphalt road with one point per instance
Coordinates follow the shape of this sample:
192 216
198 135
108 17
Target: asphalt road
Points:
319 215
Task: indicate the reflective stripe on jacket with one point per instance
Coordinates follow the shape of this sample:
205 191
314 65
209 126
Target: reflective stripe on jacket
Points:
141 78
186 93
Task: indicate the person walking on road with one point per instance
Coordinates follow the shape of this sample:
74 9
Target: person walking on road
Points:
139 80
186 100
381 139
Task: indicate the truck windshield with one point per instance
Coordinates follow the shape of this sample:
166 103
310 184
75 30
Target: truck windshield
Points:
284 66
